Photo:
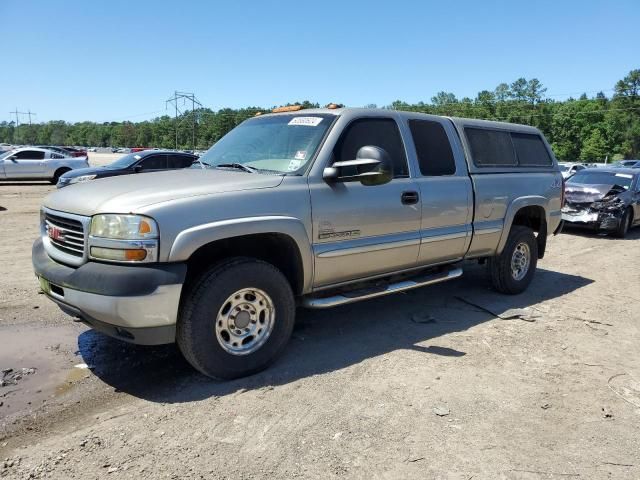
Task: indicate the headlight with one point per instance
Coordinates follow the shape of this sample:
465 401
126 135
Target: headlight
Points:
81 178
123 238
614 204
123 227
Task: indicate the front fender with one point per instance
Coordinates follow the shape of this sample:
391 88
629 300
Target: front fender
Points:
512 209
190 240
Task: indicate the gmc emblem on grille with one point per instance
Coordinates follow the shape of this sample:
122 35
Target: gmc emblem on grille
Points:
55 233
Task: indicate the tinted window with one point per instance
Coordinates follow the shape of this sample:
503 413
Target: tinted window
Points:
433 148
531 150
378 132
30 155
490 148
180 161
154 162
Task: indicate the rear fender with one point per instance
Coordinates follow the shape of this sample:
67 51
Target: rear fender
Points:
512 210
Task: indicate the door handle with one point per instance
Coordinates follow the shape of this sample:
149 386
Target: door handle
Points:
409 198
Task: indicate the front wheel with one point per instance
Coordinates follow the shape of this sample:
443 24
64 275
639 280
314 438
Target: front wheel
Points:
57 175
512 270
625 224
236 319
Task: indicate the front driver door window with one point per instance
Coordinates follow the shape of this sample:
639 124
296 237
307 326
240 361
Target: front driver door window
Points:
362 230
25 164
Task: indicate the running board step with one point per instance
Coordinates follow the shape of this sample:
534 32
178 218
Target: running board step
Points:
355 296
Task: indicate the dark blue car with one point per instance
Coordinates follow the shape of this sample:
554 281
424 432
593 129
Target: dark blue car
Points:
139 162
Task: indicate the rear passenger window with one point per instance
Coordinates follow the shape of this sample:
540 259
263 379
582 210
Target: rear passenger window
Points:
180 161
378 132
491 148
531 150
154 162
433 148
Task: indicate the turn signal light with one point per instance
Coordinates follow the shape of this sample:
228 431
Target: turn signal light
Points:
135 255
119 254
144 227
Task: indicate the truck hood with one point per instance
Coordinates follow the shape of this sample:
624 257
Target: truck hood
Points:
130 193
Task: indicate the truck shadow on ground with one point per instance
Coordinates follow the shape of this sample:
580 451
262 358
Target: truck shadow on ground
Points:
326 340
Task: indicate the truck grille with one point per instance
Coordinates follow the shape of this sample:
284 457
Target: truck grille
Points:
65 234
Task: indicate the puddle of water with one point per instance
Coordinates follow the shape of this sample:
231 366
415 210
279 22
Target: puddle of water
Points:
51 350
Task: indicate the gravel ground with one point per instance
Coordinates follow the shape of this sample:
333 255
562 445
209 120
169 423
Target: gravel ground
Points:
443 382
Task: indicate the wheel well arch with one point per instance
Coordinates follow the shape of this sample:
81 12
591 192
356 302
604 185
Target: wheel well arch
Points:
278 249
61 170
534 217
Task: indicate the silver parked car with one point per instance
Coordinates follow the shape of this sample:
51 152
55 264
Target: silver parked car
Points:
316 208
33 163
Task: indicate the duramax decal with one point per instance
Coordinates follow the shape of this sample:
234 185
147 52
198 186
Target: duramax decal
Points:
345 234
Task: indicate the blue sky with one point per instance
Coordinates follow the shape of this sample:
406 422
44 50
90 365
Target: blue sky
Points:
120 60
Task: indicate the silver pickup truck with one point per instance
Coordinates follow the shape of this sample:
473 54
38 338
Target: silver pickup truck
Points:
314 208
34 163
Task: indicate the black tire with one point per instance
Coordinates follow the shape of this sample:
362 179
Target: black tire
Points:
500 266
58 174
625 224
196 329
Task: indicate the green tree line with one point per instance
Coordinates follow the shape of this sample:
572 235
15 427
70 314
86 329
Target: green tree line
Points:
584 128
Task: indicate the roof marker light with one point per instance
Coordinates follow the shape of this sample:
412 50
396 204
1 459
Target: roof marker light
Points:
290 108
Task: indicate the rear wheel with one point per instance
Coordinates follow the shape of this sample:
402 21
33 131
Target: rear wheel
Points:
58 174
236 319
512 270
625 224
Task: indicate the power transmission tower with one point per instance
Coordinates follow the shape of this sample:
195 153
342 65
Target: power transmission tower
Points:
17 113
185 97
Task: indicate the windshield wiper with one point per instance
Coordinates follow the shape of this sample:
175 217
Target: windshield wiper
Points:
238 166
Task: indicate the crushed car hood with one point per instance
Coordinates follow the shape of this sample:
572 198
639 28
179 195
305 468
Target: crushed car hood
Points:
578 193
130 193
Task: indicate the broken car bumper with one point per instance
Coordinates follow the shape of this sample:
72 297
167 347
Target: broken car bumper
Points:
593 220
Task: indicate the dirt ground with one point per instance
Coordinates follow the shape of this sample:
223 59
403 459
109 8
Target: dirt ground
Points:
419 385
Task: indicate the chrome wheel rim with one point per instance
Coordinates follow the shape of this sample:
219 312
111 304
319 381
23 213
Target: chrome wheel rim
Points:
520 261
245 321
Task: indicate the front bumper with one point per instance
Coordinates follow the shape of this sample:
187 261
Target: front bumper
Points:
594 220
135 303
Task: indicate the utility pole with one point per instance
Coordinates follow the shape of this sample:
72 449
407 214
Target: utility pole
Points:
29 113
16 112
185 96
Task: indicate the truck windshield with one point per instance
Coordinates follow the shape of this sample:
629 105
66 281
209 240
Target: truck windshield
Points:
602 178
282 144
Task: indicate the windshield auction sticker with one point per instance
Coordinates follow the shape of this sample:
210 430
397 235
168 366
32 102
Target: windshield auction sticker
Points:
306 121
